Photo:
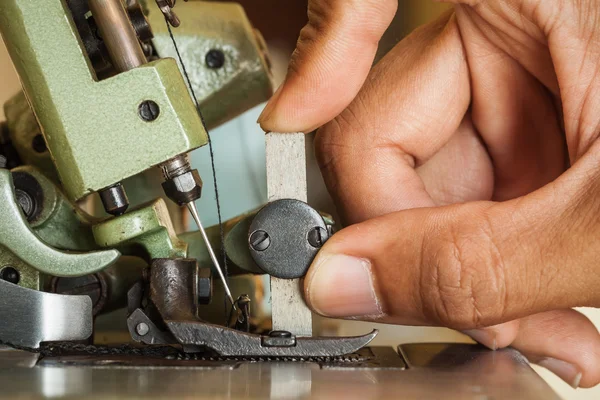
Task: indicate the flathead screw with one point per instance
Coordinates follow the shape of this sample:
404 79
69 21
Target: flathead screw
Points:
260 241
149 110
317 237
215 59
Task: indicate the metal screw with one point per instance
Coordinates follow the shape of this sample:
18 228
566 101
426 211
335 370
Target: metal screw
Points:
260 240
280 334
142 329
10 274
149 110
26 202
215 59
317 237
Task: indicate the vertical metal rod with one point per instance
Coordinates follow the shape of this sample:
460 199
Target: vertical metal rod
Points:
118 34
194 211
125 52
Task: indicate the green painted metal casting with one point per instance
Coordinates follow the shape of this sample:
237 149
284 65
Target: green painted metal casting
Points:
94 133
244 79
17 237
146 232
61 224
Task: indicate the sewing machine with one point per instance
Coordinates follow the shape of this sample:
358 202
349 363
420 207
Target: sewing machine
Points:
94 185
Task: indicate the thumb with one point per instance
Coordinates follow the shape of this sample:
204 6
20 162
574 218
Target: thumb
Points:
464 266
334 54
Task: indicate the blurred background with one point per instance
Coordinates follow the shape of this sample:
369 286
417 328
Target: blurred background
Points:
239 152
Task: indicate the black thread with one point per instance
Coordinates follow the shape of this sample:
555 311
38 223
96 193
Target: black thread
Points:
212 156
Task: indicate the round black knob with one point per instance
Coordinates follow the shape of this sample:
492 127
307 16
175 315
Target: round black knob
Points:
284 238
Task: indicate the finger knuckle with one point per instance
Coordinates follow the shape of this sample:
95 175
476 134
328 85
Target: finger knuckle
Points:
462 284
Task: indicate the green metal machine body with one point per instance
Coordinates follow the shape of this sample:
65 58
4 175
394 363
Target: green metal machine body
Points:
96 138
93 128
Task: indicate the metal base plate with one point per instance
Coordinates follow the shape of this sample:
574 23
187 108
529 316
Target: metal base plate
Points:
367 358
434 371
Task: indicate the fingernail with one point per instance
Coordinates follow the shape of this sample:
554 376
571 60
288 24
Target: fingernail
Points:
566 371
270 107
343 287
484 337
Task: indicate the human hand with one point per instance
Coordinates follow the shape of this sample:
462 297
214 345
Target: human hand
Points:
470 167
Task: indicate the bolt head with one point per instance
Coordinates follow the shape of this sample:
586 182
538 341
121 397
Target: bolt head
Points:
260 240
142 329
10 274
215 59
148 111
317 237
184 188
26 203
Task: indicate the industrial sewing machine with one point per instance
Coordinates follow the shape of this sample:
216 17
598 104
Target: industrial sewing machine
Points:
104 124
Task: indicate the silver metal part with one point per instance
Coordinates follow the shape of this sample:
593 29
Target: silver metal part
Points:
118 34
213 257
29 317
171 170
286 179
438 371
176 166
12 358
143 330
231 343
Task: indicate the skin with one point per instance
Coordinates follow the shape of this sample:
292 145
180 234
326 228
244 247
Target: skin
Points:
466 167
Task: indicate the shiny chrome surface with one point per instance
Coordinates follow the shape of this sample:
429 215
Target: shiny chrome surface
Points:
452 372
11 358
118 34
29 317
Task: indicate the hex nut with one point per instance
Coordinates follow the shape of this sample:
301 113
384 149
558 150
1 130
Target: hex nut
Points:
205 286
184 188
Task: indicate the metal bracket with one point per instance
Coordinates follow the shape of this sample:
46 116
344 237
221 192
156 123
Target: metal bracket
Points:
143 330
148 228
231 343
